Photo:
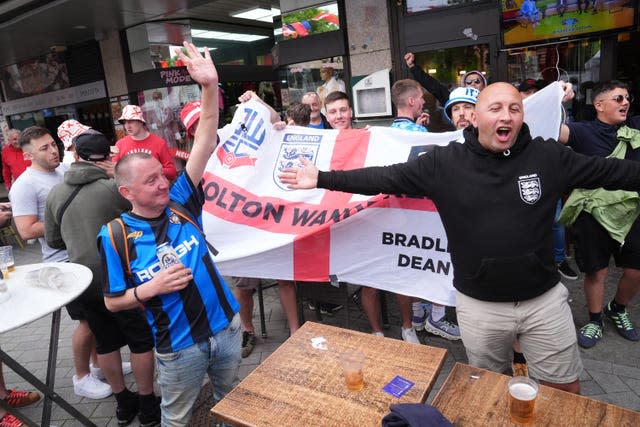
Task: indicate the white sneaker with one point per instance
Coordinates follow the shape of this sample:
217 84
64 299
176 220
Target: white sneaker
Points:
91 387
377 334
409 335
97 372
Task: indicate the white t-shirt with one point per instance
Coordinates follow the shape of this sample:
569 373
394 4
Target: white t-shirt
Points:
28 196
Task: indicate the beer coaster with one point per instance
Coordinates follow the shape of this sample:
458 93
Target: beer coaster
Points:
398 386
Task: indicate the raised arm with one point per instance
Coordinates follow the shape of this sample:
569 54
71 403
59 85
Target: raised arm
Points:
203 72
563 138
249 95
437 89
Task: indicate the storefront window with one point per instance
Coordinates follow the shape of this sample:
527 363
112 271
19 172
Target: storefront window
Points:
321 76
156 44
578 63
448 66
161 108
414 6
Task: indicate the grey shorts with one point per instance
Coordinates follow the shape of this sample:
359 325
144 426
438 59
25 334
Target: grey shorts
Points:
543 325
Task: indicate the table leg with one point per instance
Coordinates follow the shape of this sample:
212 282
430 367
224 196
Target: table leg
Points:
47 389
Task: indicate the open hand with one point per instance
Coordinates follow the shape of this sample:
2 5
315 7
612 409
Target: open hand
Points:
201 69
305 177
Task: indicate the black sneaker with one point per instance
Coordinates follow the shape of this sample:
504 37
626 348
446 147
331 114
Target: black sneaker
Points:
330 309
622 323
126 413
152 418
566 271
248 342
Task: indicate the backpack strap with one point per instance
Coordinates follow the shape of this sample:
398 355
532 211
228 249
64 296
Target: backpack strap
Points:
118 236
184 215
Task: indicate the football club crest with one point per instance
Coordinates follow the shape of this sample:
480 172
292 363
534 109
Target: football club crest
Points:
241 147
530 188
174 219
289 157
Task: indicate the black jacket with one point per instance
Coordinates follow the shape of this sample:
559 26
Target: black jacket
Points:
497 208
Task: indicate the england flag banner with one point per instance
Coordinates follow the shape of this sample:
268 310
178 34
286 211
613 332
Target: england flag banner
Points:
392 242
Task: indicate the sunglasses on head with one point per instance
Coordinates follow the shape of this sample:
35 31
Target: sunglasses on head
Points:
620 98
470 82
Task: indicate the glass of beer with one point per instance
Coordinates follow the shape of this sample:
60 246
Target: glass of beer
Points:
8 250
352 364
522 399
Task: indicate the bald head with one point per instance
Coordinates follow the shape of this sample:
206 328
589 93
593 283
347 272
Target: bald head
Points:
497 88
499 115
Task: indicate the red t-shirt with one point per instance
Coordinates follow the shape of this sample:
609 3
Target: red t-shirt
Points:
13 164
153 145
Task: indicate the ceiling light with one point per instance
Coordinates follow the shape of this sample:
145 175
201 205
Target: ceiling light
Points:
223 35
258 14
432 70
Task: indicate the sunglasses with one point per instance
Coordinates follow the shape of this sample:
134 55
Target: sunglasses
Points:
620 98
470 82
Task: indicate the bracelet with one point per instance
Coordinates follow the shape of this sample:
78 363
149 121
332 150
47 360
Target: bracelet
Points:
135 294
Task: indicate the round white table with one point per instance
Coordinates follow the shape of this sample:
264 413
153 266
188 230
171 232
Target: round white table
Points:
28 303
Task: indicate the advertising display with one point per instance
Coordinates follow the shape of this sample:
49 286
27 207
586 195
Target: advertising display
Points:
530 21
307 22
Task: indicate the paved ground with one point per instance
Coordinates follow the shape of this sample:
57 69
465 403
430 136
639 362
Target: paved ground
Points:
612 368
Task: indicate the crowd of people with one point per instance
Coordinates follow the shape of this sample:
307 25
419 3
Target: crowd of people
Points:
185 320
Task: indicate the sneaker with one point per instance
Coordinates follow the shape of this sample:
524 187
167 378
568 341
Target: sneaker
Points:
97 372
10 421
622 323
520 369
378 334
91 387
589 334
248 342
18 398
418 322
409 335
566 271
330 309
311 305
442 328
152 418
126 414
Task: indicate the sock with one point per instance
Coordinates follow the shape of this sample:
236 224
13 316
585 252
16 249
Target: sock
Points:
518 357
148 402
615 307
418 309
125 397
437 312
596 317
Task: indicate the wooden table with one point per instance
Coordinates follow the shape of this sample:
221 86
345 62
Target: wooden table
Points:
28 303
477 397
299 385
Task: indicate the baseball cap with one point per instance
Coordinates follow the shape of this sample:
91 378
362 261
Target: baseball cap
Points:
190 114
132 112
528 84
68 130
460 94
92 146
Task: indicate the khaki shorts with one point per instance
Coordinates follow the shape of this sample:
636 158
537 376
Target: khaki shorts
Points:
543 325
246 283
